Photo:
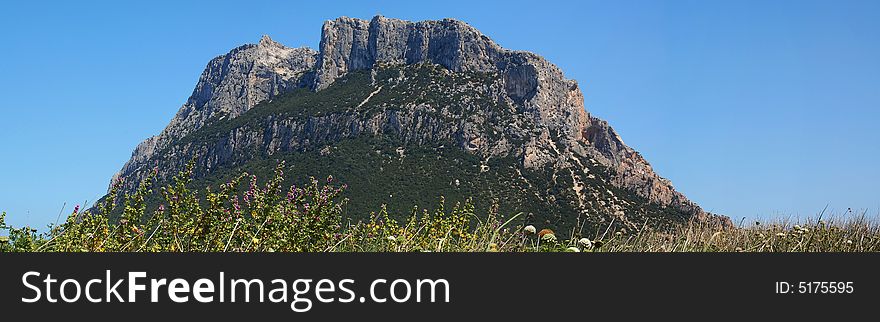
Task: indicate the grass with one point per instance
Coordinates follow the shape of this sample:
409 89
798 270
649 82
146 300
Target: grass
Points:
267 218
846 235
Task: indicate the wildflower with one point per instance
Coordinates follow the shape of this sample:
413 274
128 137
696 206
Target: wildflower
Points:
76 209
529 230
255 240
493 247
4 239
544 231
849 242
573 249
585 243
548 238
761 235
391 238
161 207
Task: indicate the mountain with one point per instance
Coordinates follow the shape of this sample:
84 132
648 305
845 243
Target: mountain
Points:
406 112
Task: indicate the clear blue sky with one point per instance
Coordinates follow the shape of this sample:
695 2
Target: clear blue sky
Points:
751 108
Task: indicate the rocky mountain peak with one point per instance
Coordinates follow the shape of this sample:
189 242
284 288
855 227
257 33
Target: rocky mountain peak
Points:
229 86
267 41
349 44
530 81
546 126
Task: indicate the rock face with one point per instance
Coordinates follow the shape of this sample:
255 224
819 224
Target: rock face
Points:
230 85
351 44
547 130
529 80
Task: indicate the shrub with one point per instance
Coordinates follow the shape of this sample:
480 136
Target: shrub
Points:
245 216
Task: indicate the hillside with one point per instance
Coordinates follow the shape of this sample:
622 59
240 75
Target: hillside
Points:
406 112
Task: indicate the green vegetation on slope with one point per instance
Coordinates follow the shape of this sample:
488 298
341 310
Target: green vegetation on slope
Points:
388 169
266 218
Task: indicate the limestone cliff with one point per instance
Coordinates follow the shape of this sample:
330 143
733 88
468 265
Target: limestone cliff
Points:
494 103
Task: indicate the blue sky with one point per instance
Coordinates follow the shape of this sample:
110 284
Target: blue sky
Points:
751 108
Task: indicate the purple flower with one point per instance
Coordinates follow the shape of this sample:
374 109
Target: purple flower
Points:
76 209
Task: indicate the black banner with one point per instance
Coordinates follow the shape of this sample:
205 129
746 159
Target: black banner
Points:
438 286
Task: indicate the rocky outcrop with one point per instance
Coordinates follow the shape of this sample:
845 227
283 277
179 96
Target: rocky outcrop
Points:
550 116
530 81
632 170
349 44
230 85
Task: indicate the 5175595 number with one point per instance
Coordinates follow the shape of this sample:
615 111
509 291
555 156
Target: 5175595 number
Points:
814 287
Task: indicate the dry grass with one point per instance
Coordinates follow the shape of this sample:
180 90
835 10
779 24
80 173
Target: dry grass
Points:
308 219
